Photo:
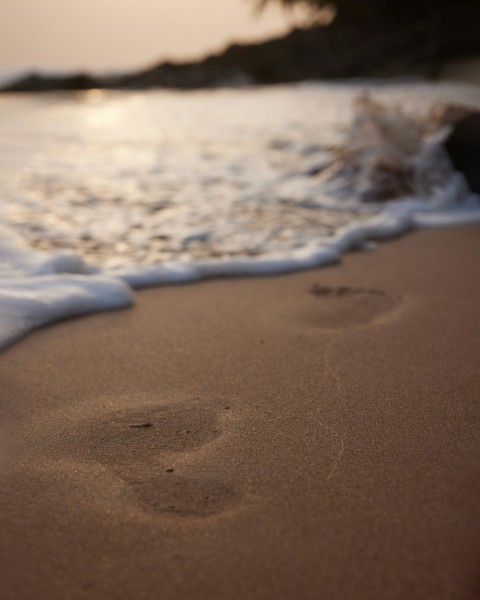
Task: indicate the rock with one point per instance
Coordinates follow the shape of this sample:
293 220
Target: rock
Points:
463 147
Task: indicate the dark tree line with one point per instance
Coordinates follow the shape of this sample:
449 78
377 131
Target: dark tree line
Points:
438 29
419 12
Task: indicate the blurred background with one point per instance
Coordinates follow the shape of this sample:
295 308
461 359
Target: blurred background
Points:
102 36
193 43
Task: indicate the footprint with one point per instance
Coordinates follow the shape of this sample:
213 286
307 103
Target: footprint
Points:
141 435
343 292
339 307
138 447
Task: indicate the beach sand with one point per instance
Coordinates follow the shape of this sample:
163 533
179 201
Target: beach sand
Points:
249 439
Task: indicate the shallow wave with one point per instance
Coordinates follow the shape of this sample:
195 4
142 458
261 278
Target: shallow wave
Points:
105 193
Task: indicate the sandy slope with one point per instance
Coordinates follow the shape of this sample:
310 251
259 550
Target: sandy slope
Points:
323 445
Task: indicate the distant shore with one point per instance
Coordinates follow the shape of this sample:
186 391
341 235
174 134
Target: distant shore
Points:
304 436
336 52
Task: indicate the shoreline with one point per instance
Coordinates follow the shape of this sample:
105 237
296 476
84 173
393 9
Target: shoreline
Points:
322 444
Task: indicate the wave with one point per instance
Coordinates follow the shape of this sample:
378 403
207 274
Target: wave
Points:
389 162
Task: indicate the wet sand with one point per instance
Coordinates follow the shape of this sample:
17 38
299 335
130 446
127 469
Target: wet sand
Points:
311 436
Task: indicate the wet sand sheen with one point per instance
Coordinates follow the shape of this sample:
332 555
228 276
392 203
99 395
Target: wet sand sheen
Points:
295 437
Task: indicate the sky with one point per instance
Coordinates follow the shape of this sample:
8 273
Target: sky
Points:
123 34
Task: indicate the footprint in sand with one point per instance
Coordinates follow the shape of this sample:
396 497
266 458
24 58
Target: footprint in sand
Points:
339 307
138 446
139 436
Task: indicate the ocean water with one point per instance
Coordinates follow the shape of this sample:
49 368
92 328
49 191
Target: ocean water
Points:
105 191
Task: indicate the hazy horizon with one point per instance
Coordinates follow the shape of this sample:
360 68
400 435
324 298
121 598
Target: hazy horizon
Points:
97 35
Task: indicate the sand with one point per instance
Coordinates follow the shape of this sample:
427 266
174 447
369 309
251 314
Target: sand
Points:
249 439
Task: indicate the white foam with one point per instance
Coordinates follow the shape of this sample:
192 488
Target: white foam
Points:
37 289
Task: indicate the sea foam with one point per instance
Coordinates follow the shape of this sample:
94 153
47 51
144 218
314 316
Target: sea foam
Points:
37 288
